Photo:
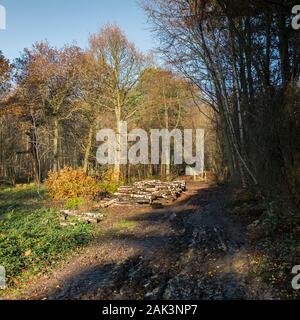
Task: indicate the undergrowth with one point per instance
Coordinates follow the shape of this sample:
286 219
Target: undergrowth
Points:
32 238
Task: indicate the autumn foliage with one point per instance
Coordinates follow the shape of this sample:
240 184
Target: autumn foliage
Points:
70 183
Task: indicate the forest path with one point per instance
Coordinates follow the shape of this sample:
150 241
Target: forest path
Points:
192 249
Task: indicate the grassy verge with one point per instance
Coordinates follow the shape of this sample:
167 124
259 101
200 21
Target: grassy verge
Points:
32 240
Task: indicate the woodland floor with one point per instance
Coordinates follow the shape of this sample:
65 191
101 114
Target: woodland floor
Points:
191 249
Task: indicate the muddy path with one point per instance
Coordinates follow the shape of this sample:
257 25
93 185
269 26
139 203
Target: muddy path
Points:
192 249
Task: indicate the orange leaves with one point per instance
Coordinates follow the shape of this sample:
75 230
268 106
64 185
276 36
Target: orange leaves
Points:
69 183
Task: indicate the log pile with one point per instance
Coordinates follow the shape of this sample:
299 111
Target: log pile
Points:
145 193
88 217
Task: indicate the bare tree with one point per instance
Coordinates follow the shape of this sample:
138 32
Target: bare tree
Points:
50 75
125 63
244 58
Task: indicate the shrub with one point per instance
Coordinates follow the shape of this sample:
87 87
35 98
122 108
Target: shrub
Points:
69 183
108 183
108 175
73 203
110 187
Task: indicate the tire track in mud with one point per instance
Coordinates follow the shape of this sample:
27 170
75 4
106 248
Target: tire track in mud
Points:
192 249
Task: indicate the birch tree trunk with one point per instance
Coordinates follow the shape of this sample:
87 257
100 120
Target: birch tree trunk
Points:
117 165
167 165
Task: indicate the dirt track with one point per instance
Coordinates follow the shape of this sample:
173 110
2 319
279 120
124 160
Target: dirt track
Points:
191 249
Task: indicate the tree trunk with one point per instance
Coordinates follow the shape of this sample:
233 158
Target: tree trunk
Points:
117 165
33 151
167 165
55 166
283 48
88 150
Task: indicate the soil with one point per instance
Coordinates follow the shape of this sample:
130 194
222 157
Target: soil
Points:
190 249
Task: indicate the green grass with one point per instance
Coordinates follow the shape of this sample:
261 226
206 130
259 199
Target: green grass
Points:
118 230
32 240
125 224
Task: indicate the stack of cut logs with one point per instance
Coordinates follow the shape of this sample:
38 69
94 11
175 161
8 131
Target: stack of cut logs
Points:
145 193
88 217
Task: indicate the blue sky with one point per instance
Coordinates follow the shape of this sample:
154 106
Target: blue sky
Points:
68 21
